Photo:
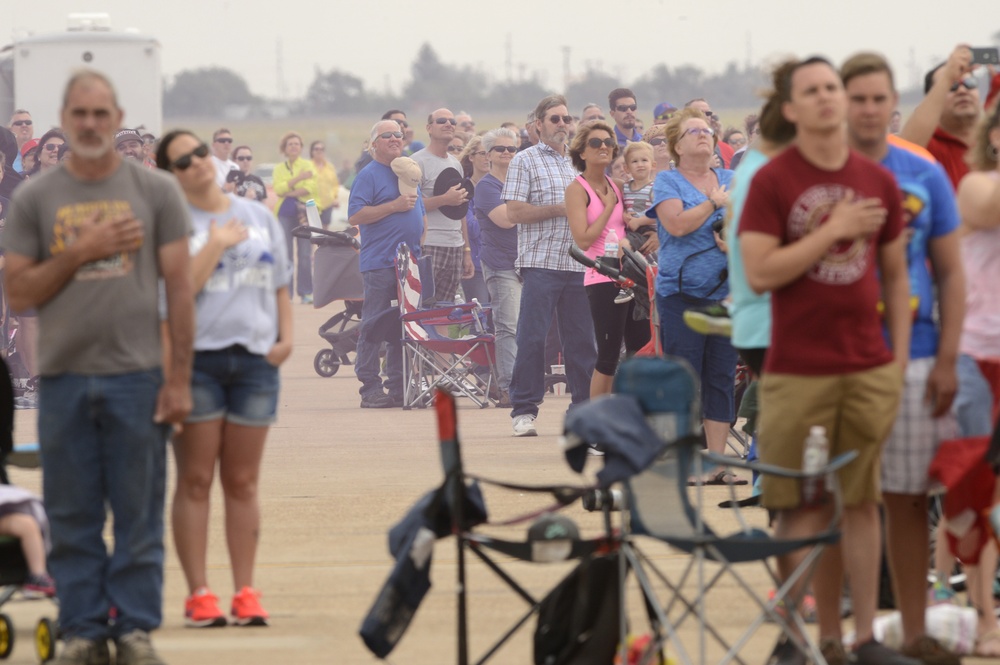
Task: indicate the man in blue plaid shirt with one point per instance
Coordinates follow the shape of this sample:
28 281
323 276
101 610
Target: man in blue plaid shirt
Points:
535 193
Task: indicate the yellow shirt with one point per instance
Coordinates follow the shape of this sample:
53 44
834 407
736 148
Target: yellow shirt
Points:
284 172
327 185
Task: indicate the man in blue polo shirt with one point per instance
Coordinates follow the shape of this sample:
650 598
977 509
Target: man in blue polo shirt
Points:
385 218
622 104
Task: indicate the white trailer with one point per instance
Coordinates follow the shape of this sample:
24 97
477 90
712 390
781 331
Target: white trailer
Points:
34 71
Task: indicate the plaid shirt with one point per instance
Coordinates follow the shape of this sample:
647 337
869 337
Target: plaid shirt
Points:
539 175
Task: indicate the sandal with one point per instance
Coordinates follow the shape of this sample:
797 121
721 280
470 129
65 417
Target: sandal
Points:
726 477
992 639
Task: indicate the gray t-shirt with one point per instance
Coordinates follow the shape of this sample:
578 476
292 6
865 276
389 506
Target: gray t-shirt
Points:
104 320
238 304
441 231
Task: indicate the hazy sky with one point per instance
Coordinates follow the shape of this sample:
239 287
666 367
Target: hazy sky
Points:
378 39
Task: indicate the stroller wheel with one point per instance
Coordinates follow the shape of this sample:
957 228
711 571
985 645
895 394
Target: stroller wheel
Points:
45 640
6 636
326 363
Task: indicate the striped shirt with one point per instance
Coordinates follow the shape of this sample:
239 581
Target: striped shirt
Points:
539 175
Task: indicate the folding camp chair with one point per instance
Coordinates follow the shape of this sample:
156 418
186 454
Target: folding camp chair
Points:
444 347
659 505
456 508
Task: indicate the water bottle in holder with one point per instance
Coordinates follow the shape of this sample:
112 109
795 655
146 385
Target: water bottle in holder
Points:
312 214
814 457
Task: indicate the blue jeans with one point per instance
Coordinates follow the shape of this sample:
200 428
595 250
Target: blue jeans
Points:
99 445
379 323
475 288
505 299
973 406
548 292
712 357
303 274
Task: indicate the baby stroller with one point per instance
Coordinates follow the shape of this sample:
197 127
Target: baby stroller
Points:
336 276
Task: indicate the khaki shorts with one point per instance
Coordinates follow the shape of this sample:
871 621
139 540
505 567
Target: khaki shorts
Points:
857 410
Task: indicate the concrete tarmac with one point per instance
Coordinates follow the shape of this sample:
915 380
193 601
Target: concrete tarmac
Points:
335 479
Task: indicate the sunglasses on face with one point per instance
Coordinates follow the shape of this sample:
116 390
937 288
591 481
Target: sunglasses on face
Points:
657 141
52 147
183 162
597 143
500 148
455 148
445 121
244 158
969 82
319 148
21 123
556 119
468 124
390 135
403 123
223 140
621 108
700 131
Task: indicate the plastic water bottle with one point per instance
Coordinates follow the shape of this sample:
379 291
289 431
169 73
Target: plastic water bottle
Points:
312 214
611 245
814 458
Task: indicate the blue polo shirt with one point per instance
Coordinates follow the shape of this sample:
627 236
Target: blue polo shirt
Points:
622 139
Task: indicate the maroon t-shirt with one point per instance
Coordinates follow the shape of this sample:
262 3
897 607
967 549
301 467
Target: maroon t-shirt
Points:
827 320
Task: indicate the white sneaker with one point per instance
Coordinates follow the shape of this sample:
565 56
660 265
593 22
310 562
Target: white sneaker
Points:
524 425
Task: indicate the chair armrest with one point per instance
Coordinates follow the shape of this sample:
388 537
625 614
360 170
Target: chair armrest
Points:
837 463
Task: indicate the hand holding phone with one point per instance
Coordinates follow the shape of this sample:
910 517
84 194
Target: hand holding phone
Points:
987 55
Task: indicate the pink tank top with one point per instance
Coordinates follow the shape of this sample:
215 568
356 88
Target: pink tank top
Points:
981 258
616 222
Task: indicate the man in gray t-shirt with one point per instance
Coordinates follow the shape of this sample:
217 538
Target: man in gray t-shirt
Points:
447 240
86 244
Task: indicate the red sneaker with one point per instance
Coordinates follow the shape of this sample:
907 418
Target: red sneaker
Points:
38 586
201 610
246 609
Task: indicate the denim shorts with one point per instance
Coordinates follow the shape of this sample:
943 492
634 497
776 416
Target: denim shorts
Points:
234 384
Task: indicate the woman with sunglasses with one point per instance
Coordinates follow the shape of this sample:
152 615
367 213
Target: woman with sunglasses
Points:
243 333
294 184
327 184
689 203
246 183
48 151
475 165
594 207
499 251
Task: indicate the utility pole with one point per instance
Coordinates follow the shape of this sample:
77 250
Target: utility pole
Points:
280 66
509 58
567 76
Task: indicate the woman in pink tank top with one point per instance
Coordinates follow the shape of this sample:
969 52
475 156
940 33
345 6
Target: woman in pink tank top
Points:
594 207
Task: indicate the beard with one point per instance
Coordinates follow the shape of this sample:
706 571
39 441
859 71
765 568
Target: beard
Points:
92 151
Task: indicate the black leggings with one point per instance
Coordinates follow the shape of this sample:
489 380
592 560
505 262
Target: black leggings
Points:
612 324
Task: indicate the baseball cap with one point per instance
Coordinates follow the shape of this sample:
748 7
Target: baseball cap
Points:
28 145
663 110
124 135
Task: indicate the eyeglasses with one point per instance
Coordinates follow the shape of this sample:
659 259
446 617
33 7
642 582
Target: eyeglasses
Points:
183 162
245 158
597 143
468 125
319 148
52 147
21 123
621 108
224 140
500 148
657 141
479 153
969 82
455 148
445 121
700 131
566 119
390 135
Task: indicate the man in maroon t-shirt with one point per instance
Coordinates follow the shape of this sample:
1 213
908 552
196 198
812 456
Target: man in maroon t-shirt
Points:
820 224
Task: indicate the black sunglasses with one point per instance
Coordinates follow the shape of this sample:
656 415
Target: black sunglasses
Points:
445 121
245 158
501 148
455 148
621 108
21 123
390 135
223 140
597 143
657 141
183 162
52 147
554 119
968 82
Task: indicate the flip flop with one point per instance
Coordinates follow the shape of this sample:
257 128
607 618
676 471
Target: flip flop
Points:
725 477
991 638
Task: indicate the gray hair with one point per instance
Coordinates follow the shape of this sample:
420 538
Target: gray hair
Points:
490 137
375 132
85 75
